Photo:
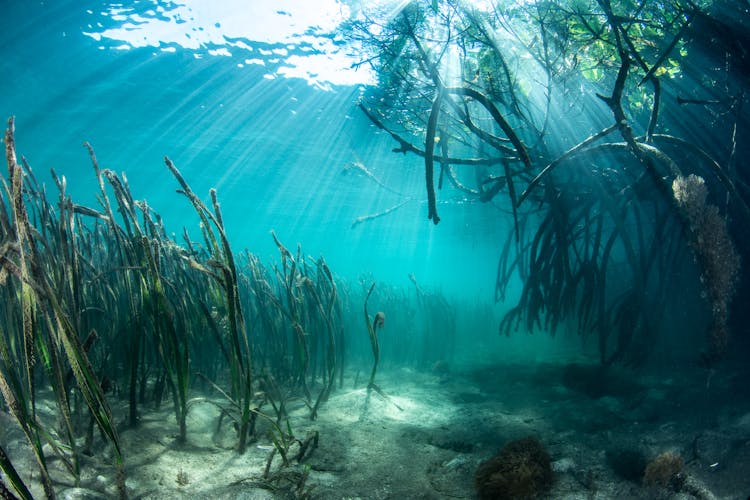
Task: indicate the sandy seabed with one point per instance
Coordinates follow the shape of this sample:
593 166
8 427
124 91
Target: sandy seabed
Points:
428 436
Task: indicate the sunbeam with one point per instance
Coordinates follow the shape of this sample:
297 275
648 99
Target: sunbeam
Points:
375 249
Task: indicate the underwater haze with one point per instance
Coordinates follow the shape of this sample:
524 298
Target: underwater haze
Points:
491 249
247 100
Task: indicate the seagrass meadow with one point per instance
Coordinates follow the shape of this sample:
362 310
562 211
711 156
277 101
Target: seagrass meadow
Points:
384 249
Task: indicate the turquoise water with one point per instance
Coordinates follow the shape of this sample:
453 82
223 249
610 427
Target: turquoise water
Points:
634 297
278 149
261 103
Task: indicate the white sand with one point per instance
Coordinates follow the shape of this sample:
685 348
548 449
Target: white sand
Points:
429 448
